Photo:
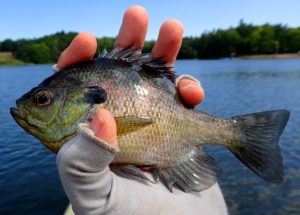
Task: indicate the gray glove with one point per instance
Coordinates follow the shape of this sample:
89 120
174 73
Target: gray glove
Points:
93 189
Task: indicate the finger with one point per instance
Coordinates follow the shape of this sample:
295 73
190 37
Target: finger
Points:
168 42
83 47
104 126
190 91
134 28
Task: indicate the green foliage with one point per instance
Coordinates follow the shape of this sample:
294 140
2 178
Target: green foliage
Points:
12 62
245 39
148 45
187 50
7 45
42 50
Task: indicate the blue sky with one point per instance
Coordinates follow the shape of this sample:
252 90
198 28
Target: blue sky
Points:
35 18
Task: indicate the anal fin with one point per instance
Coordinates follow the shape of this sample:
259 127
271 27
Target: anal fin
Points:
196 171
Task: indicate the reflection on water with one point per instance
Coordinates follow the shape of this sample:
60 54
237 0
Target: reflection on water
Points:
29 183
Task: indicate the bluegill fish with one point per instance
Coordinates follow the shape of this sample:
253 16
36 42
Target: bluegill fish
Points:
154 127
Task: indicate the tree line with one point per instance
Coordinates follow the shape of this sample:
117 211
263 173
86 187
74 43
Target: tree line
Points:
245 39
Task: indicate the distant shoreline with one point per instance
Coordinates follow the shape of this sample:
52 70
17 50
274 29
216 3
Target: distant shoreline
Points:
12 63
270 56
7 59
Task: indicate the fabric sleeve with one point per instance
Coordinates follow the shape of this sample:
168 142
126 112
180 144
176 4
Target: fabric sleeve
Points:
93 189
83 169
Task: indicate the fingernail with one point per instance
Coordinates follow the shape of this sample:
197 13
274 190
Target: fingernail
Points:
55 68
198 83
191 87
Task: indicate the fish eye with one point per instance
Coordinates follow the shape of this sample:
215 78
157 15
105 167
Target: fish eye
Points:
43 98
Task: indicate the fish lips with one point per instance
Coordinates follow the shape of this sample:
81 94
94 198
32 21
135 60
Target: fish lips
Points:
14 112
21 121
17 117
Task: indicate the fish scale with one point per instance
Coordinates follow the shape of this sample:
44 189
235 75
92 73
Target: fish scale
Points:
154 128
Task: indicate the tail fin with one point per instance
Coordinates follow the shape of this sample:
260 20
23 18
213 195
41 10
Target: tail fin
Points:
258 147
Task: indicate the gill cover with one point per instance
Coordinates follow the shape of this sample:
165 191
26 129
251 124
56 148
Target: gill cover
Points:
74 109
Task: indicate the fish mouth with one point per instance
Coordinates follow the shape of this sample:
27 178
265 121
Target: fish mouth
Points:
15 112
54 145
21 120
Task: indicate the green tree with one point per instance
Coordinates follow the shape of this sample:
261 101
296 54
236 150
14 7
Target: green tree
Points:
245 39
39 53
8 45
187 50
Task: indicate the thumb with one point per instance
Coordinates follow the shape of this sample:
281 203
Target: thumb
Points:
104 126
191 91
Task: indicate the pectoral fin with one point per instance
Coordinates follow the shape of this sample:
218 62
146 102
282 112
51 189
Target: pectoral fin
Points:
127 124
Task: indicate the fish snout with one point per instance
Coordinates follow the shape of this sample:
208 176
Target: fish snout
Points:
14 112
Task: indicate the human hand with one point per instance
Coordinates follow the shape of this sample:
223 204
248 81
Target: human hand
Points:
132 33
83 165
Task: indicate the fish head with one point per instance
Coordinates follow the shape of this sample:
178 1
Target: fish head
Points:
52 114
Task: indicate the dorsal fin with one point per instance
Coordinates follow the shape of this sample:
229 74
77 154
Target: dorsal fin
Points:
134 55
103 53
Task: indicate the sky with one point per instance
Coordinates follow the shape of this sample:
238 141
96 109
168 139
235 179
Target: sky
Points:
36 18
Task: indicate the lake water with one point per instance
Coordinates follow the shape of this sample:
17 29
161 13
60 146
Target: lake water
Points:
29 183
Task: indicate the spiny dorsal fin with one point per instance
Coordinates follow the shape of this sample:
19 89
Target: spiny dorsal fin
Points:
134 55
103 52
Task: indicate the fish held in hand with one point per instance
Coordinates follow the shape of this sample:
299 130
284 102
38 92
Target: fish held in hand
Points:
154 128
